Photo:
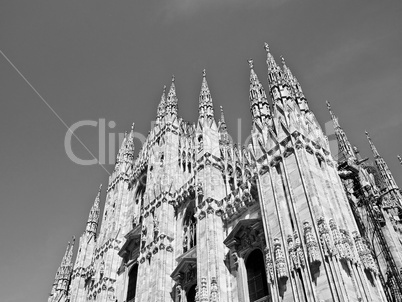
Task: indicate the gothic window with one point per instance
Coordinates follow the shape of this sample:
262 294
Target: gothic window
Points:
132 283
256 277
191 294
189 228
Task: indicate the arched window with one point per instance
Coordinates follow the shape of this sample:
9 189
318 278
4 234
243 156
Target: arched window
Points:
256 277
132 283
190 295
189 228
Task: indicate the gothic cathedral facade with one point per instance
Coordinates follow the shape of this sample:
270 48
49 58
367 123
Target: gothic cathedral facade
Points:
197 218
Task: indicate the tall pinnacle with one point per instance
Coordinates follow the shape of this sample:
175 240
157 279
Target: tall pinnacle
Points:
333 117
294 86
344 145
70 253
93 218
171 101
274 71
65 257
222 119
162 105
223 133
126 152
373 148
205 100
65 269
400 159
259 105
385 172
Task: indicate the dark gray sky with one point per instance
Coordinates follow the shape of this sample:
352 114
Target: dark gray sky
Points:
93 59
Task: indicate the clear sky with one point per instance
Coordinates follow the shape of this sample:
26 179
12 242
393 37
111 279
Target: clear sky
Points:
95 59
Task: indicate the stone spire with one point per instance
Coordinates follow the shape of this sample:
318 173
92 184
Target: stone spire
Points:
93 218
294 86
259 105
400 159
223 133
58 279
171 101
162 105
274 71
64 272
373 148
222 119
62 264
344 145
65 257
126 152
69 259
206 108
386 175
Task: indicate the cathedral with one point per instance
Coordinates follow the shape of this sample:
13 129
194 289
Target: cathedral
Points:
195 217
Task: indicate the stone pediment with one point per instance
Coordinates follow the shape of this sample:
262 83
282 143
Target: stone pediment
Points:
132 239
184 269
241 231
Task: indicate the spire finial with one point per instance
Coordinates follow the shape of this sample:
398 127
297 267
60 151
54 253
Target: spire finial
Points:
173 78
222 114
250 63
373 148
329 108
400 159
266 46
204 73
283 60
100 188
132 126
334 118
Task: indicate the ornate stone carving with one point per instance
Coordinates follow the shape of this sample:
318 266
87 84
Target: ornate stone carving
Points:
294 259
204 290
235 260
269 266
337 238
311 243
214 290
178 292
326 243
197 295
280 263
299 249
